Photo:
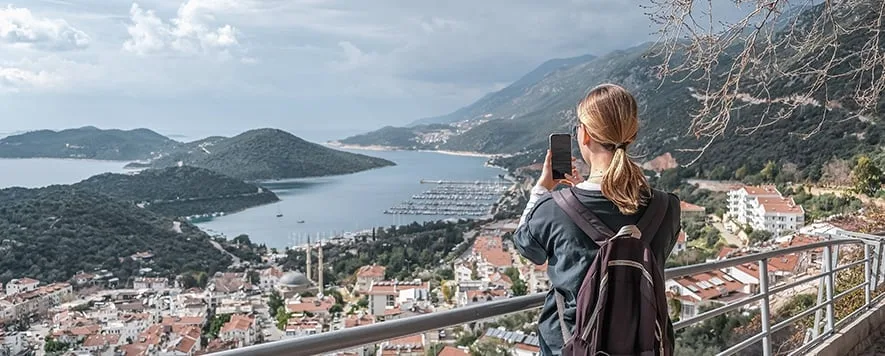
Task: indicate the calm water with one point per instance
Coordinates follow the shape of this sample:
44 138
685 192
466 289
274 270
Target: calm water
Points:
350 202
41 172
326 205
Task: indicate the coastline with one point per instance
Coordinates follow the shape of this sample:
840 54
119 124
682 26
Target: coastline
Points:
337 144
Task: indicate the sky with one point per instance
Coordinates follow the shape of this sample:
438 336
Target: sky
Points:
317 68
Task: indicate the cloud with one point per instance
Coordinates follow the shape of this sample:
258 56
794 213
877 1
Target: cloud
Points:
17 79
18 26
354 58
189 32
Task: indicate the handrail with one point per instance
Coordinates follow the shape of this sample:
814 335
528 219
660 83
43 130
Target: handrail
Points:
348 339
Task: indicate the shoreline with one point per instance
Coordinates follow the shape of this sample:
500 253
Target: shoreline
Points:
390 148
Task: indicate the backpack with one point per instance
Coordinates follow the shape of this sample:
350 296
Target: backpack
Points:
621 306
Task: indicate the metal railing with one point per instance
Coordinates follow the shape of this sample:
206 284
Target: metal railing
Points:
352 338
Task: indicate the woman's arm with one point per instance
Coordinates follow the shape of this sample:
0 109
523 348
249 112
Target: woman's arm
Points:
526 243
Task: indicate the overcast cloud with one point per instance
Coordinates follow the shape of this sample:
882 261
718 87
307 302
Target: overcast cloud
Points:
221 66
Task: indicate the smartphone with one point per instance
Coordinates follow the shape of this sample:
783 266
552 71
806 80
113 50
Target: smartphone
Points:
561 148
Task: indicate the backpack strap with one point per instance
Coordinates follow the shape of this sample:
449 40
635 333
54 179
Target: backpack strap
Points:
654 214
588 222
560 309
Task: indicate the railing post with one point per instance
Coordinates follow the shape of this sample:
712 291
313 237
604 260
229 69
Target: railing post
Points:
828 260
867 290
764 307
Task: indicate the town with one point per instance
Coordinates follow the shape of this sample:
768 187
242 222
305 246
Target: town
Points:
95 313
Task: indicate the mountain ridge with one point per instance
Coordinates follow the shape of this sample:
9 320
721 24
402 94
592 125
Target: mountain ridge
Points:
88 142
266 154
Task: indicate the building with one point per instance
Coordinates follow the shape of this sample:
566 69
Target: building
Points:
353 321
367 275
314 305
452 351
95 344
384 295
292 284
539 281
240 329
519 343
13 343
681 243
690 211
304 326
154 284
81 279
21 285
269 278
763 208
490 256
702 289
404 346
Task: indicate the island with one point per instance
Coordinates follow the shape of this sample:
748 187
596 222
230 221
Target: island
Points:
181 191
87 143
265 154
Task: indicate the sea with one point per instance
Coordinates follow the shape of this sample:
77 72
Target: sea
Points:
328 206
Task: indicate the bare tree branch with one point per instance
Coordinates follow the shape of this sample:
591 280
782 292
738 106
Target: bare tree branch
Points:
809 51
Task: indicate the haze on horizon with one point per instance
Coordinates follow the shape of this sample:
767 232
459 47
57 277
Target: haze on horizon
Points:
311 67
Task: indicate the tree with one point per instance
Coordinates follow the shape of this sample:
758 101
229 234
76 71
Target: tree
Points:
866 178
759 236
282 318
755 60
769 172
836 172
242 239
215 325
489 347
253 277
274 303
447 292
742 172
669 180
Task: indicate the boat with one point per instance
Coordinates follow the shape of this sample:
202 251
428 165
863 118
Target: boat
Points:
301 221
279 213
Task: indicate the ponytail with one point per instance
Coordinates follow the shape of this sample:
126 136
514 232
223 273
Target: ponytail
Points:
624 183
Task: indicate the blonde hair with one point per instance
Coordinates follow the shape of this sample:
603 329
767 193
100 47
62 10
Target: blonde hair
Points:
609 115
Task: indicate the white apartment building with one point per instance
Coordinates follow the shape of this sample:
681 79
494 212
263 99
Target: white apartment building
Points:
763 208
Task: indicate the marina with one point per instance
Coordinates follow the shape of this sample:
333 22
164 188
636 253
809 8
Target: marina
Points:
453 198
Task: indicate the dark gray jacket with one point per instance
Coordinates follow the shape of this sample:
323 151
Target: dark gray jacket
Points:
548 235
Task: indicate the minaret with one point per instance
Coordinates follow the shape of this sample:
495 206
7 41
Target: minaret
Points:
308 259
320 267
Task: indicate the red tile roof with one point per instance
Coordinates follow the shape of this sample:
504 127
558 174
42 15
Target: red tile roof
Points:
452 351
356 320
527 347
761 190
24 280
371 271
786 263
238 322
725 252
101 340
417 339
780 206
134 349
681 237
311 305
710 285
686 206
491 249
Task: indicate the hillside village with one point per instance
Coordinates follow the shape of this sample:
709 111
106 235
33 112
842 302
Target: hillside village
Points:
96 314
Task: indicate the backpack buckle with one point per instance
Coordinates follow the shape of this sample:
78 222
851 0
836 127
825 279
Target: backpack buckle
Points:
629 231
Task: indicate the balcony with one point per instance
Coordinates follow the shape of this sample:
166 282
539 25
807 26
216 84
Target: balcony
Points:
826 333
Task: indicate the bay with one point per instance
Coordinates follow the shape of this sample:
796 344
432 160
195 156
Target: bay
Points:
327 205
353 202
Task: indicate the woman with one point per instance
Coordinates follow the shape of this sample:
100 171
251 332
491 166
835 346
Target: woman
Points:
616 191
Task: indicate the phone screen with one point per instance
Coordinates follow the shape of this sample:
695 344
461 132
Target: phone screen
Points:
561 148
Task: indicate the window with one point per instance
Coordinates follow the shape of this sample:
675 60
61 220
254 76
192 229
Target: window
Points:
391 300
688 310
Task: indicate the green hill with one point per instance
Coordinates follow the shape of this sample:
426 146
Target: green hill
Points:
52 233
86 143
180 191
265 154
522 123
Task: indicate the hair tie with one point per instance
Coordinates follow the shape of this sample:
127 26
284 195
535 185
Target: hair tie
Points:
621 146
